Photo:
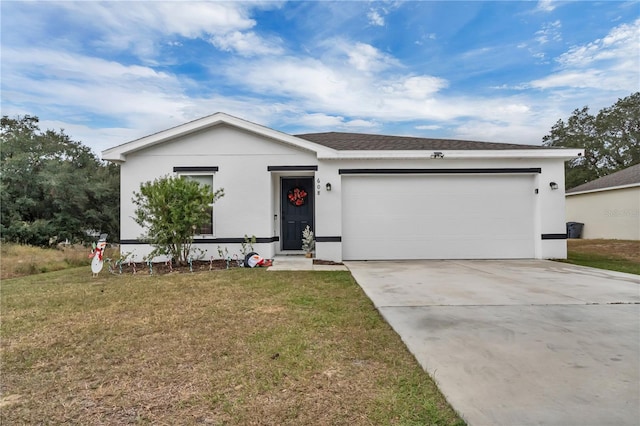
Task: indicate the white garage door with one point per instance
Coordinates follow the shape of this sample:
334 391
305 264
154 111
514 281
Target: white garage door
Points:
438 217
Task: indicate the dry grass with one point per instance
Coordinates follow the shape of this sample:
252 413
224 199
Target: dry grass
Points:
616 255
222 347
623 249
18 260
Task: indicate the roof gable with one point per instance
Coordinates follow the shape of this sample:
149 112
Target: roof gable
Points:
120 152
623 178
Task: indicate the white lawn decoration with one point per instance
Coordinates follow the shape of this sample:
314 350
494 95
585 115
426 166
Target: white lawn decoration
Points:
98 255
308 243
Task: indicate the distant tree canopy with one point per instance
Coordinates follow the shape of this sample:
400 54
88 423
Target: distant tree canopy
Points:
611 140
53 188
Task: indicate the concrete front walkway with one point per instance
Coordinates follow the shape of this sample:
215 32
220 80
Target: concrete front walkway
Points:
518 342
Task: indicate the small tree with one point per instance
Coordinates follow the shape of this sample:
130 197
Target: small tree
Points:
171 210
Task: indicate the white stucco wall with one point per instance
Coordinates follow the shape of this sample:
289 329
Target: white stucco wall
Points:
248 206
251 204
607 214
549 204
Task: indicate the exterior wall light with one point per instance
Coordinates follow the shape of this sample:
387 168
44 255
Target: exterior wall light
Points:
553 185
328 186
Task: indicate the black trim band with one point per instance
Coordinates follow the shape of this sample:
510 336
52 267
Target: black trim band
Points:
328 239
196 169
291 168
438 171
214 240
554 236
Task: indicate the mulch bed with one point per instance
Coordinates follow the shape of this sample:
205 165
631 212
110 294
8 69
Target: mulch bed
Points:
162 268
325 262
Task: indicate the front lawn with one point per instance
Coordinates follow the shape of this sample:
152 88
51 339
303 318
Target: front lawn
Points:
615 255
222 347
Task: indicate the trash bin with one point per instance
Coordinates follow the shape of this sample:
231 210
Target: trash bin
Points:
574 229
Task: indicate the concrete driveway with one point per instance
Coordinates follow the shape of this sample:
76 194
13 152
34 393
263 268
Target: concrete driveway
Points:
517 342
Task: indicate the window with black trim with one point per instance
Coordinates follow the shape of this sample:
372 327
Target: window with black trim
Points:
205 228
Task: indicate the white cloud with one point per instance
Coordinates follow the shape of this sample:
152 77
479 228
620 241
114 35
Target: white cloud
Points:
546 6
359 124
326 122
99 139
416 87
580 79
188 19
146 100
550 31
75 86
345 92
610 63
521 133
193 19
340 84
246 44
428 127
137 26
620 42
425 37
367 58
375 18
319 120
300 78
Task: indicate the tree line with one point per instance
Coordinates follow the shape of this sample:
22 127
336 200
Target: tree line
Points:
611 140
55 189
52 188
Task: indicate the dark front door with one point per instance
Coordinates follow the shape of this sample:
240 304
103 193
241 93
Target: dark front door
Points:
297 210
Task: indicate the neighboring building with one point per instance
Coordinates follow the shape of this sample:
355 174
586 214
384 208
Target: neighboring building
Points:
609 206
365 196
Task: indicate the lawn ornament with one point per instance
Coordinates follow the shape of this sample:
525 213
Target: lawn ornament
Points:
253 259
97 254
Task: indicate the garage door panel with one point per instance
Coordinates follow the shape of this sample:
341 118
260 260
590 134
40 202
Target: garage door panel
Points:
434 248
437 217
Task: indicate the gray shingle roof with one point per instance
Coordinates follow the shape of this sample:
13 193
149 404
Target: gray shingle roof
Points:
362 141
628 176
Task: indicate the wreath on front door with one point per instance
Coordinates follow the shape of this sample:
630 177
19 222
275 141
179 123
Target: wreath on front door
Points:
297 196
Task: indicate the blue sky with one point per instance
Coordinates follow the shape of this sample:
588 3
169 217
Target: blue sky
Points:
110 72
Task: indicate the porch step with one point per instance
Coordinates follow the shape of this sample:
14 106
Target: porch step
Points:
301 263
291 263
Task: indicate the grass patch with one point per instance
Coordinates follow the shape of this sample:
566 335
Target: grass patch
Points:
17 260
222 347
614 255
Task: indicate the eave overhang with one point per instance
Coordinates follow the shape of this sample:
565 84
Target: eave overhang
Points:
610 188
561 154
118 154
